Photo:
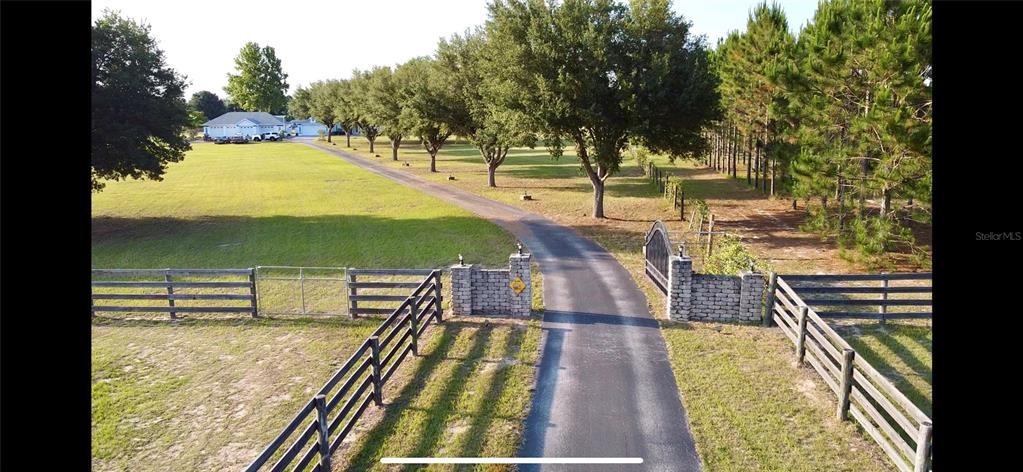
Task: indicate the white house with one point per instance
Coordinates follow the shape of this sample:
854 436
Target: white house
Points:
307 127
311 127
243 123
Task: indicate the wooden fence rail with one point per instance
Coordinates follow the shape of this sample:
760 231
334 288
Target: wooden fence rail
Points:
901 429
671 188
248 287
834 299
334 410
362 279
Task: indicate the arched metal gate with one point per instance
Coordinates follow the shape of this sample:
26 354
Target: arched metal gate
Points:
656 251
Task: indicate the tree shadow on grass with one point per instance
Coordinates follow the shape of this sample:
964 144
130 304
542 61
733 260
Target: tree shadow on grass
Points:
186 321
875 358
345 240
487 414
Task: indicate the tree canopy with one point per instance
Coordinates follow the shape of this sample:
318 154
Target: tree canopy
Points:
493 130
603 74
139 115
260 83
383 105
208 103
428 104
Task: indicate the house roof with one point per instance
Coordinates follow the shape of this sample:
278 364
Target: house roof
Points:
234 117
309 121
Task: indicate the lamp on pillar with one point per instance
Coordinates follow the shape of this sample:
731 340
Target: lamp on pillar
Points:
681 249
519 246
461 261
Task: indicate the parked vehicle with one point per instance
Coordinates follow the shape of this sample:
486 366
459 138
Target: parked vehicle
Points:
221 140
271 136
239 139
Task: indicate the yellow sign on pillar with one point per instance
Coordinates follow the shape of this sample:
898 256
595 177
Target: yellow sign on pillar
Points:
517 285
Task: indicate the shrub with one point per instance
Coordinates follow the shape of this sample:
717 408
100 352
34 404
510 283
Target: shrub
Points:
642 156
873 235
731 257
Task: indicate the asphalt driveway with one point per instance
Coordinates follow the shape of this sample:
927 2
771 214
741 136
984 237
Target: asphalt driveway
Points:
605 387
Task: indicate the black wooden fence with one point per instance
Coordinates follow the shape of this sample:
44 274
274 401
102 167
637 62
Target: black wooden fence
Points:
832 296
902 430
170 285
332 413
377 285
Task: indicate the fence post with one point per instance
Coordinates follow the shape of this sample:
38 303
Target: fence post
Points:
772 285
437 294
923 447
801 340
170 293
710 235
301 287
413 307
847 378
883 309
353 305
324 430
378 392
252 292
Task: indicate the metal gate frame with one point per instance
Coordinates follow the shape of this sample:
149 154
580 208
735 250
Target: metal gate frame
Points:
301 279
657 249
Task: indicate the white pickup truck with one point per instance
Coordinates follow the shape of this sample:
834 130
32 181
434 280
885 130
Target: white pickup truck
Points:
267 137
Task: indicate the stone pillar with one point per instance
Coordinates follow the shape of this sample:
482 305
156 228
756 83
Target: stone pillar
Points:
461 289
751 292
680 286
521 304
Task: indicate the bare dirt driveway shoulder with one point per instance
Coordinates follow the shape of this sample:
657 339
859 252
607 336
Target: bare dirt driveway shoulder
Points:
605 387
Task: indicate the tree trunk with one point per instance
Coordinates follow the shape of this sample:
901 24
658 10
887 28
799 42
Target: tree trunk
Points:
841 203
735 153
395 144
756 173
328 133
371 140
774 164
491 170
886 202
433 161
348 138
749 162
863 190
598 198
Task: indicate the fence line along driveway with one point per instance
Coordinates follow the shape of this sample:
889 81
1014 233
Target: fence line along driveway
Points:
605 387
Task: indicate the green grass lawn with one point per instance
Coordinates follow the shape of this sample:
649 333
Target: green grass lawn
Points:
751 408
467 397
281 204
208 393
900 350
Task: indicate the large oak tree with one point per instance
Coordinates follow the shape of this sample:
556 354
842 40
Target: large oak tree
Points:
475 112
139 115
260 83
603 74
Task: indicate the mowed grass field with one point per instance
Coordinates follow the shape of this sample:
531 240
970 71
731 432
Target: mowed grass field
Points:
209 392
235 205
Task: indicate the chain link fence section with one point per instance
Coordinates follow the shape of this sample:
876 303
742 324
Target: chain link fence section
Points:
290 290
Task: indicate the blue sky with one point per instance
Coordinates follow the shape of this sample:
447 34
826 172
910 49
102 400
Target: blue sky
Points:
320 40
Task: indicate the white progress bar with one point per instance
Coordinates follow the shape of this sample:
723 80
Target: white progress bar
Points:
511 460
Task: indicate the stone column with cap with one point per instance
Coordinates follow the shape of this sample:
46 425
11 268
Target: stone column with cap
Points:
461 288
519 267
680 286
751 294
